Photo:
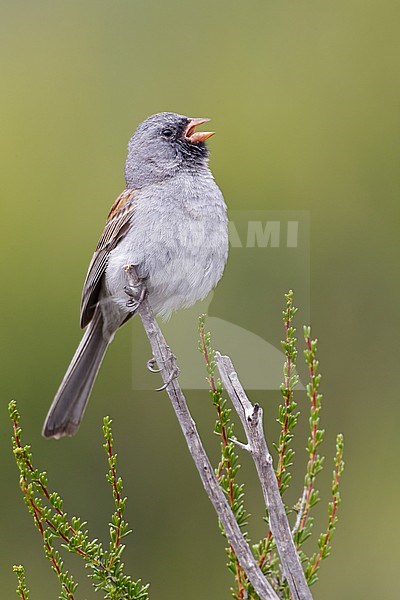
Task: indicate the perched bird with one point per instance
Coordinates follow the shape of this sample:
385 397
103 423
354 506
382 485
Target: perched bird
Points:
171 223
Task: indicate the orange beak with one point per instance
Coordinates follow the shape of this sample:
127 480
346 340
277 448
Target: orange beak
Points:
197 136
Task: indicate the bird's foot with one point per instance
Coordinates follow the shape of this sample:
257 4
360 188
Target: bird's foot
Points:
174 373
136 293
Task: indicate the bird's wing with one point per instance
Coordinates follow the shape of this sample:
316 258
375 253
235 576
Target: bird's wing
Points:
117 224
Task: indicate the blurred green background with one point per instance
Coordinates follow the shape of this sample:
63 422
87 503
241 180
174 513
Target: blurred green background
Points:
305 99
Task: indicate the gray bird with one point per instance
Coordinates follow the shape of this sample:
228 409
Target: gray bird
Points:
171 223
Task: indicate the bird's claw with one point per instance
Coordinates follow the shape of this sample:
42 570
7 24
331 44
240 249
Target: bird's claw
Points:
174 375
175 372
151 364
136 293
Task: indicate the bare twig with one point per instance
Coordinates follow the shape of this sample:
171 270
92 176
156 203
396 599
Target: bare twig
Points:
162 355
251 418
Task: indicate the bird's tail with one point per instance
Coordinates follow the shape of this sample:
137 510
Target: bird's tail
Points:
70 402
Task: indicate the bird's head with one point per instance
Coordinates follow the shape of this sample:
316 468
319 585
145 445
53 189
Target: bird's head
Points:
163 144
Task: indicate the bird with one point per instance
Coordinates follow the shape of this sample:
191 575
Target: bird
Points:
171 223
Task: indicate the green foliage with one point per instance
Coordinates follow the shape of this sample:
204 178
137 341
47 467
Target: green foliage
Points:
325 539
105 566
315 460
265 550
22 590
287 417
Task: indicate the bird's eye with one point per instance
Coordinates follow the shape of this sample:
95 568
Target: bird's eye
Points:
167 133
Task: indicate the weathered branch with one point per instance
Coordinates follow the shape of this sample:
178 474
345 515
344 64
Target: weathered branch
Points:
251 418
162 355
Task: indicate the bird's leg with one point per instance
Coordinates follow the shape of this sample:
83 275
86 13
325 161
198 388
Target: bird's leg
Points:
151 363
136 290
136 294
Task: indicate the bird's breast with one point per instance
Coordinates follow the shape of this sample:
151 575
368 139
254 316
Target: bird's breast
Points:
178 239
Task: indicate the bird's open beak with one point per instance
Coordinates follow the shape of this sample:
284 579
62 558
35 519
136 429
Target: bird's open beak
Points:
197 136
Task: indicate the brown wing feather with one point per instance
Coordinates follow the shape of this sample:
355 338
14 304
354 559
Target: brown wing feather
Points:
118 221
